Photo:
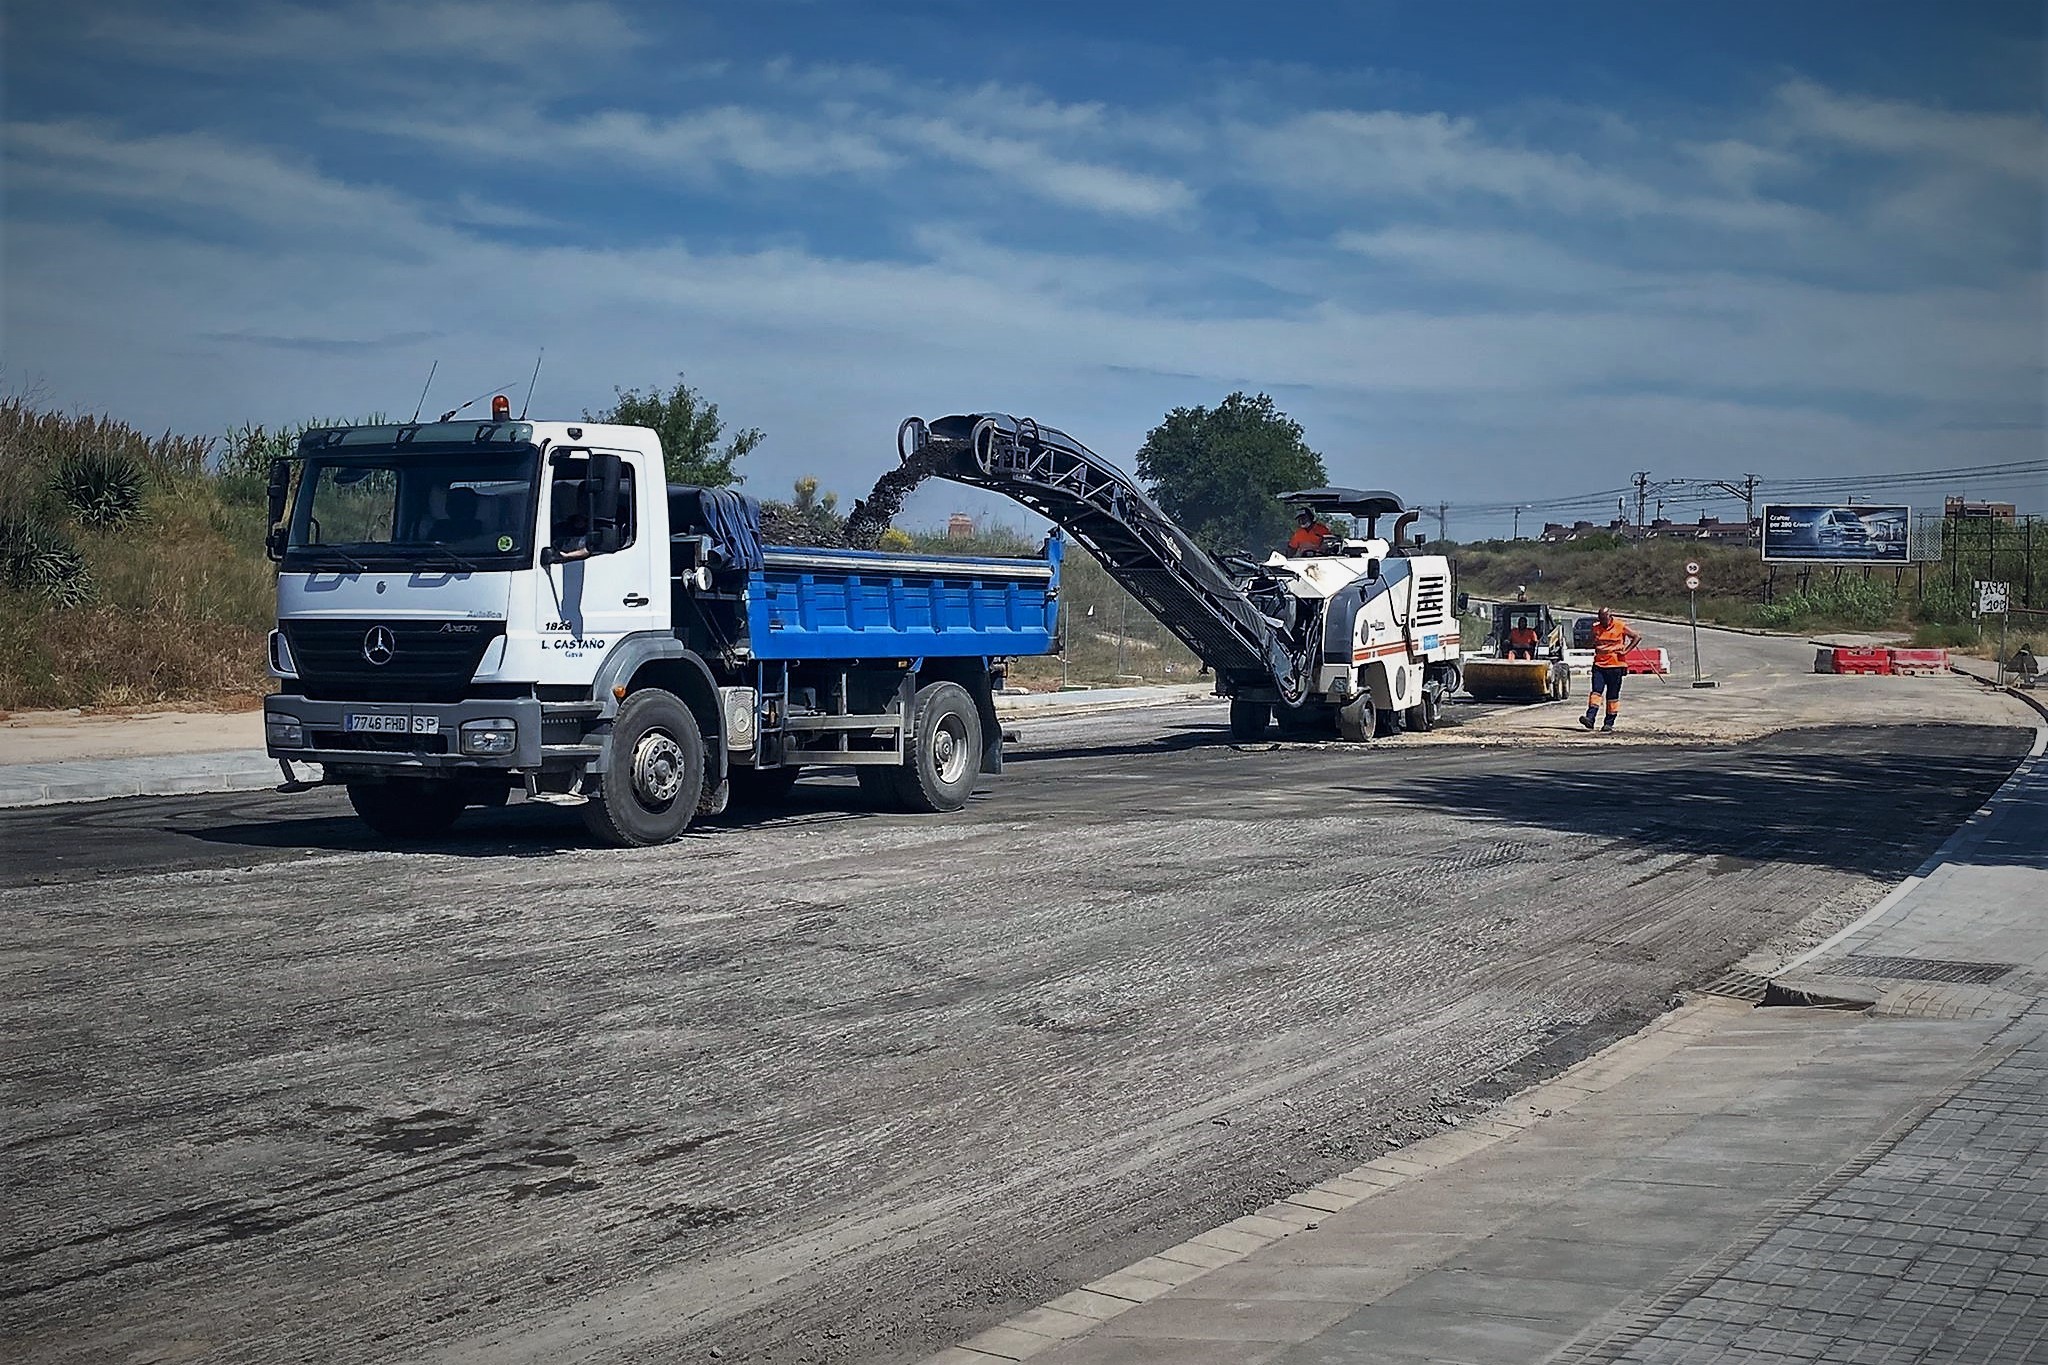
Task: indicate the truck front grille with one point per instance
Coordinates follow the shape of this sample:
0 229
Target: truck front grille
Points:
380 744
370 660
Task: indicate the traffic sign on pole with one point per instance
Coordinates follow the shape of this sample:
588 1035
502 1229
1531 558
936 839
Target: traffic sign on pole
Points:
1692 582
1692 566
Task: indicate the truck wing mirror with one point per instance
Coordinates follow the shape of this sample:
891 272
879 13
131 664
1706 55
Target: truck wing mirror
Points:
601 490
1464 603
279 491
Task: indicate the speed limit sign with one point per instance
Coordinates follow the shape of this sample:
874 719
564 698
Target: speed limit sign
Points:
1692 566
1692 581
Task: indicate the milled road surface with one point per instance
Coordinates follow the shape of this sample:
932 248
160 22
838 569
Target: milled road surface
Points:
839 1085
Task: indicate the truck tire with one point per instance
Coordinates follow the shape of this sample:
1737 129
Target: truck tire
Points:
941 750
762 787
884 785
1422 717
1356 719
656 775
1248 719
407 808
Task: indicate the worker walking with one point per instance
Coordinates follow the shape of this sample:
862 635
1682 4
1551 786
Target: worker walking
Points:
1309 534
1612 640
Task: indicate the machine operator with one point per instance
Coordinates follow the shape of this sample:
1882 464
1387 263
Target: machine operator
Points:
1523 639
1309 534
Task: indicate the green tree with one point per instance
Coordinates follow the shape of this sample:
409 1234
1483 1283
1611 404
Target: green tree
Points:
1215 470
690 430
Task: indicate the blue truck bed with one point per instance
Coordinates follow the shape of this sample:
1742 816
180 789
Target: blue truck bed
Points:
866 604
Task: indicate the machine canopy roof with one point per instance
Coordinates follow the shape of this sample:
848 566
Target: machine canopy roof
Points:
1351 502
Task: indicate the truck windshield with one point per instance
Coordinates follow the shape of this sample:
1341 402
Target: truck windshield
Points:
413 508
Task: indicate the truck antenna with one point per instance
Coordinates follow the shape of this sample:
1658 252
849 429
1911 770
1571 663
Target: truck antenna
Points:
423 391
449 415
530 383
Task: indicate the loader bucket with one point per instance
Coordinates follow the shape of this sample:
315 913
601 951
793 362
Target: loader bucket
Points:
1510 679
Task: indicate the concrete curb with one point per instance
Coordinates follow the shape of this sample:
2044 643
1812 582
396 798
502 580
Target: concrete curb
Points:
106 779
231 770
2018 694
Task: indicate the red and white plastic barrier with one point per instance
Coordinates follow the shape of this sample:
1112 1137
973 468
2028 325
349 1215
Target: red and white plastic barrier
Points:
1882 661
1647 661
1878 661
1919 660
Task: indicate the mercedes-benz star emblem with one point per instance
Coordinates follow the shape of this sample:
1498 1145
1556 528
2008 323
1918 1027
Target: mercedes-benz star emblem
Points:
379 645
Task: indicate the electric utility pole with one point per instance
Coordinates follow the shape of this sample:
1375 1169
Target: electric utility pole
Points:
1518 523
1443 521
1746 490
1642 482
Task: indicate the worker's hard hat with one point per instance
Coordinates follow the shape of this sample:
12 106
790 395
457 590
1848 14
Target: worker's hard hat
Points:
1305 515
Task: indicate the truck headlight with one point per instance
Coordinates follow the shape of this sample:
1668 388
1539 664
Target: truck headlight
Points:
284 732
489 737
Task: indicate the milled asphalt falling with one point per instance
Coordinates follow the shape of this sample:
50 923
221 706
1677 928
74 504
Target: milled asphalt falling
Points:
836 1084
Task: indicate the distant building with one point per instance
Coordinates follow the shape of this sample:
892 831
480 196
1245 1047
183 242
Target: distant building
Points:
959 526
1713 528
1963 507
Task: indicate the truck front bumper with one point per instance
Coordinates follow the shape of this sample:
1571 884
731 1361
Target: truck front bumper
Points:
423 736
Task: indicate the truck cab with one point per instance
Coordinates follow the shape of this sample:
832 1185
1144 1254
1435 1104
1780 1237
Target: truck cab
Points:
471 609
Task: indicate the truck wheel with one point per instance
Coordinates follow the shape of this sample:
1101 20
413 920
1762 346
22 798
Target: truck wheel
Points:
762 787
1423 716
656 777
1386 724
1248 719
407 808
941 749
884 785
1356 719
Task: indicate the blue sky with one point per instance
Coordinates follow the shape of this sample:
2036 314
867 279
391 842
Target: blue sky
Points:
1484 252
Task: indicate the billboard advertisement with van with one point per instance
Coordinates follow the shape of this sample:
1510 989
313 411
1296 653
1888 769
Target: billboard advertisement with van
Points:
1812 533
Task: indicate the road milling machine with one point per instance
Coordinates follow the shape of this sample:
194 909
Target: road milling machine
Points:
1357 639
1523 658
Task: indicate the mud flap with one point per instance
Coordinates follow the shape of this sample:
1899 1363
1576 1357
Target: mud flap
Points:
991 728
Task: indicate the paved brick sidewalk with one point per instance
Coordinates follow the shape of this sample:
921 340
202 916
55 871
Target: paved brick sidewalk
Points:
1936 1250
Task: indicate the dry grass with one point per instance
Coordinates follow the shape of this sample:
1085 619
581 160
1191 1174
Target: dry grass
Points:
180 598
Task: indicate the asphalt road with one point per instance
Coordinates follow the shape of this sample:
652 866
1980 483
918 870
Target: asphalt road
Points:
838 1085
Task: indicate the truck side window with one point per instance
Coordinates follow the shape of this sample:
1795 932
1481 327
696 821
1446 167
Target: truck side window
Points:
565 501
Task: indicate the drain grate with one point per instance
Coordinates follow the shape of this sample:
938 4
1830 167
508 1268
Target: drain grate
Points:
1738 985
1921 969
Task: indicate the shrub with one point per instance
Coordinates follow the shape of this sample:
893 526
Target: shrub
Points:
1846 601
100 487
37 557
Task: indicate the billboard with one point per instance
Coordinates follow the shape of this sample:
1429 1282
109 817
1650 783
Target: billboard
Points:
1815 533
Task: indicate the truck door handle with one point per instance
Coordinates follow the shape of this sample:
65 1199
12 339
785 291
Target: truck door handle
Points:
634 599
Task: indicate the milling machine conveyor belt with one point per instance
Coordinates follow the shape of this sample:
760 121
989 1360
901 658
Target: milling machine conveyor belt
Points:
1099 506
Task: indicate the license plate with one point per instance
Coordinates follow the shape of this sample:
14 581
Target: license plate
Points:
391 725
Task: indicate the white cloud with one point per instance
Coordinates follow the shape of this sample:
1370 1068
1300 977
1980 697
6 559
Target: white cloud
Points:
1034 170
1513 261
2011 144
1387 156
498 33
